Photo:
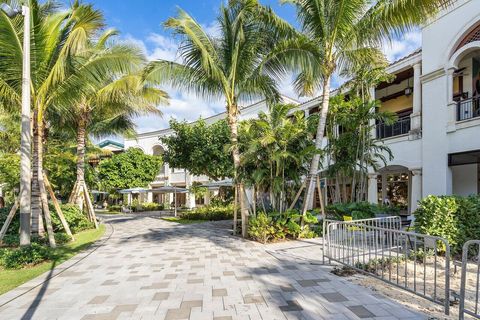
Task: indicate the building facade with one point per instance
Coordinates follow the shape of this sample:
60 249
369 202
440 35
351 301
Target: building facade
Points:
150 143
436 96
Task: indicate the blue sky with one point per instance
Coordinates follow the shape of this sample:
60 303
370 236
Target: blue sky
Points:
140 22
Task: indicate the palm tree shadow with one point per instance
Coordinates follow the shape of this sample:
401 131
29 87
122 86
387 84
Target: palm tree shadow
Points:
36 302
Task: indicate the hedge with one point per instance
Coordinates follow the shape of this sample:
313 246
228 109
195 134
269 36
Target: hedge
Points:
455 218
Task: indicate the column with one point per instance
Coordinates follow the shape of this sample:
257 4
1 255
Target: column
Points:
190 201
207 197
416 116
149 195
372 188
167 171
416 192
384 188
451 105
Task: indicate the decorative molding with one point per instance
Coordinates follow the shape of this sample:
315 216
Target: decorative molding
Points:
372 175
415 171
433 75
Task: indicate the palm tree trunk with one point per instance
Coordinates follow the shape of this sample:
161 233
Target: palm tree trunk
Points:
233 124
37 228
41 185
318 145
77 190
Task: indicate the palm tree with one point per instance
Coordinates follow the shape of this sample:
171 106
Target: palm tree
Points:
108 103
276 147
354 150
344 33
60 40
236 65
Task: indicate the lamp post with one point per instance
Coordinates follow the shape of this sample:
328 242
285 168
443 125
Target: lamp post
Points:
26 136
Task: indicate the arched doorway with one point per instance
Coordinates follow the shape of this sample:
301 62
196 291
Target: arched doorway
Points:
394 187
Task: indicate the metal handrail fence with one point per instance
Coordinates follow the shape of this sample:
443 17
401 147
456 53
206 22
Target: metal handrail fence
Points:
472 309
408 260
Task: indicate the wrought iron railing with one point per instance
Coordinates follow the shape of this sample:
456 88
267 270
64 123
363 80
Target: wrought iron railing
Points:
468 108
401 126
408 260
470 287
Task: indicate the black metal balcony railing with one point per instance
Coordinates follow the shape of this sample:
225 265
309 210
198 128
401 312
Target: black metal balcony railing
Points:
468 108
401 126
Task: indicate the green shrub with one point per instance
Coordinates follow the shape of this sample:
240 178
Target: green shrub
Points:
115 208
260 228
24 256
436 216
468 220
288 223
11 240
282 225
76 219
150 206
62 238
358 210
457 219
210 212
218 201
14 225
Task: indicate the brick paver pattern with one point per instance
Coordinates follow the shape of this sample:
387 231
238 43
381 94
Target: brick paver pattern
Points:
153 269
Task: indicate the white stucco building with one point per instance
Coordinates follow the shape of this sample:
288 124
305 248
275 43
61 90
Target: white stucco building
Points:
150 144
436 95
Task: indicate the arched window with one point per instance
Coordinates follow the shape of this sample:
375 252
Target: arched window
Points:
158 151
473 35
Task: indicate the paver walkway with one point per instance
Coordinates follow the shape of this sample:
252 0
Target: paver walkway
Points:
152 269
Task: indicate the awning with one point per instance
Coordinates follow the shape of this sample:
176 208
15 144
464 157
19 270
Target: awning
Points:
168 189
133 190
98 192
218 184
462 158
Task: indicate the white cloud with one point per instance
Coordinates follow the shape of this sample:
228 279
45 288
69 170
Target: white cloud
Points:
184 106
399 48
212 29
165 48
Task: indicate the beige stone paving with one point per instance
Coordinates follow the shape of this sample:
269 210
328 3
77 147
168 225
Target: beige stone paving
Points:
152 269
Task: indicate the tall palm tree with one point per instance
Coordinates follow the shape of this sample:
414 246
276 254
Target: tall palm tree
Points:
236 64
60 40
344 33
108 104
276 147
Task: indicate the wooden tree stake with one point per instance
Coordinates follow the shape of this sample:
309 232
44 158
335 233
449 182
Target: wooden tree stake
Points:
58 209
46 212
324 218
297 195
9 219
73 195
90 205
320 196
235 213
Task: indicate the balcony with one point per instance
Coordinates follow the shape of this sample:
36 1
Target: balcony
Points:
401 126
468 108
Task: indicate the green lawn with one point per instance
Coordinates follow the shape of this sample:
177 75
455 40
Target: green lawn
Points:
182 221
108 212
10 279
